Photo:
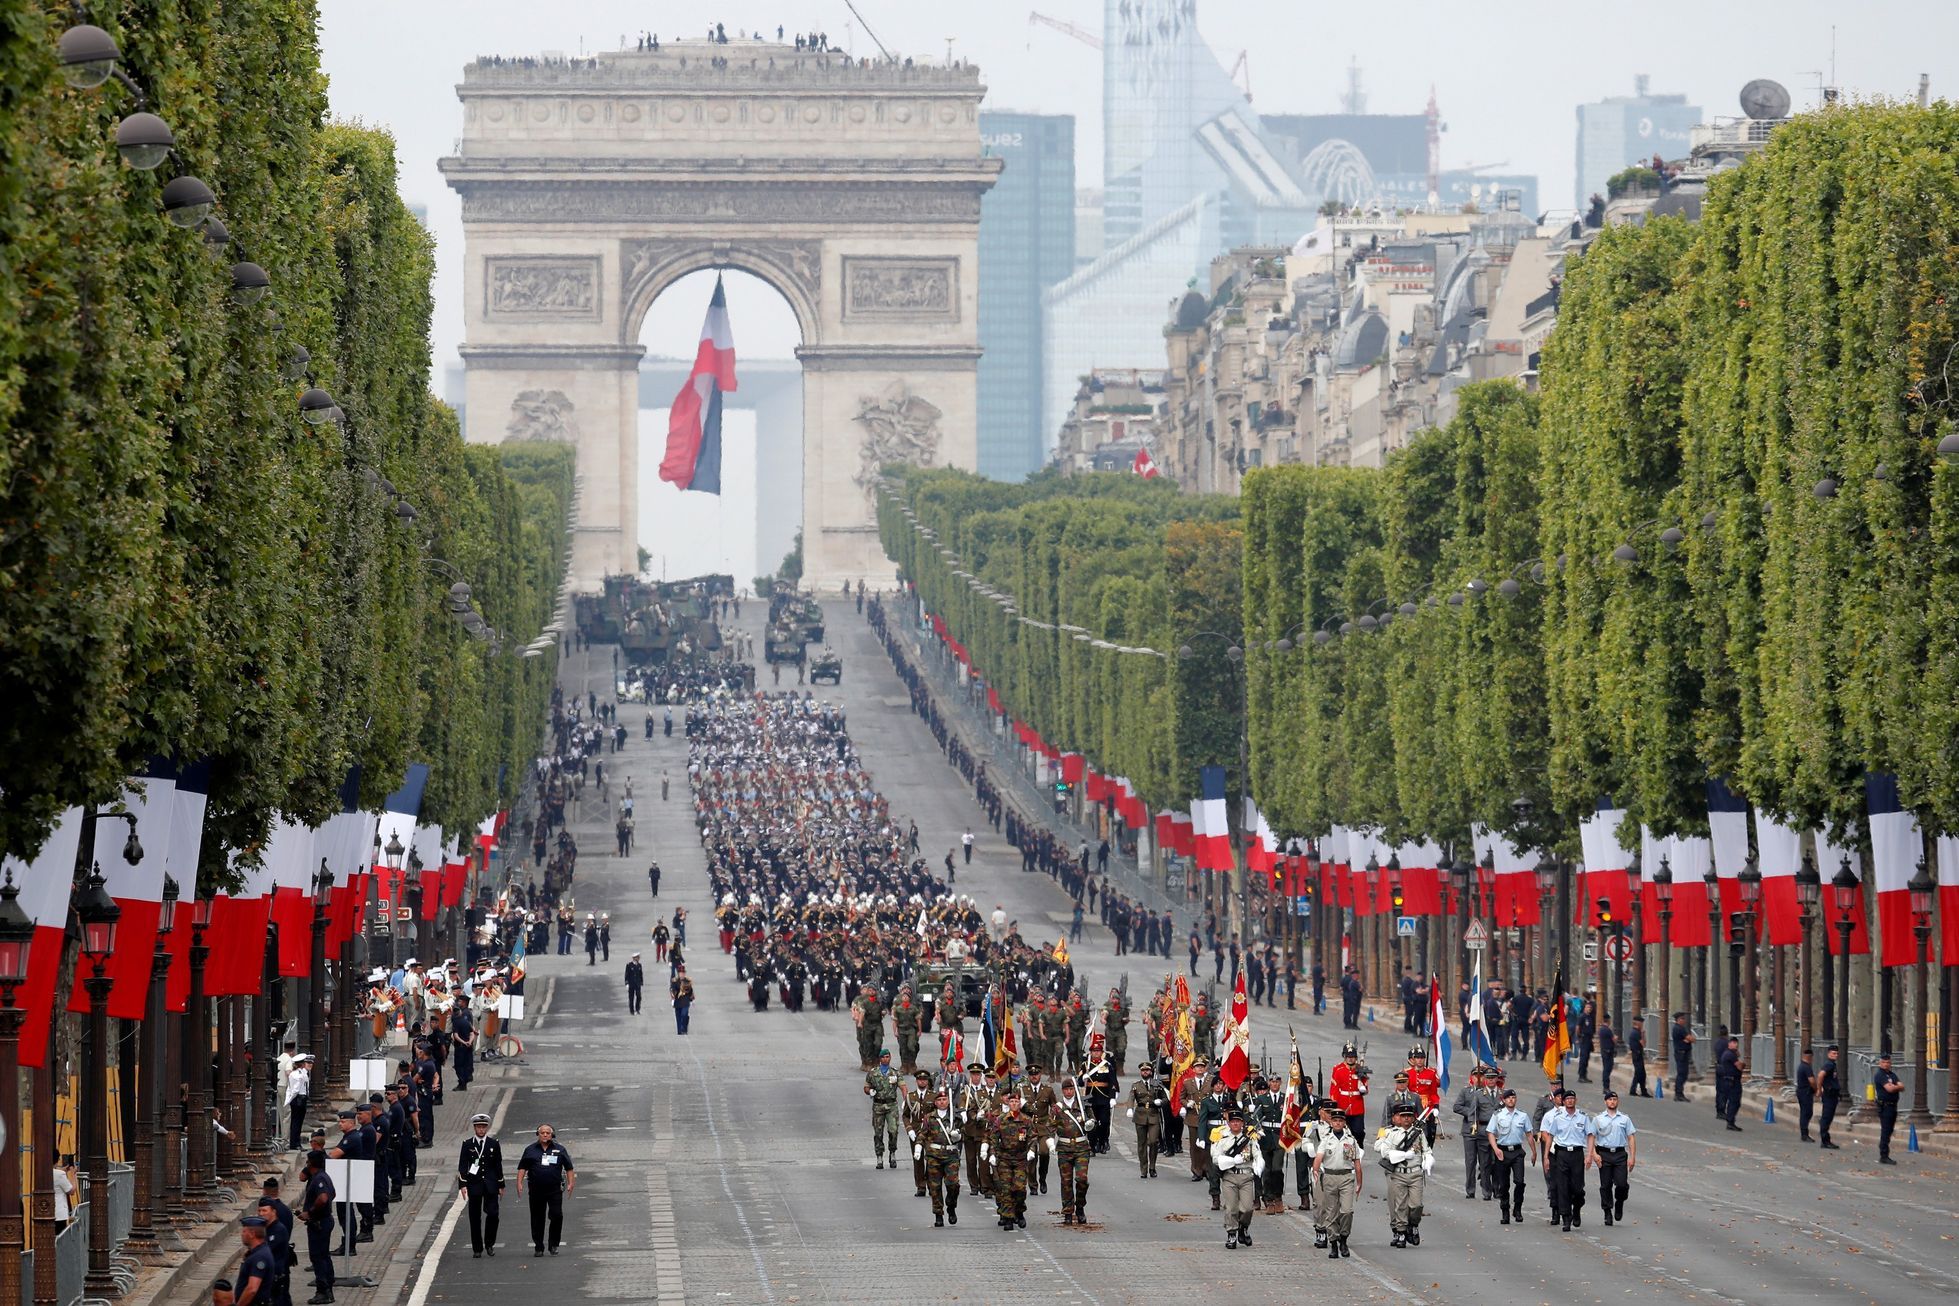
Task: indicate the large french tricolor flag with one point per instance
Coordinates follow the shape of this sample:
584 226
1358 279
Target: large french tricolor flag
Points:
1213 822
138 890
1833 852
1605 865
693 458
1949 898
1727 828
1897 846
292 855
1421 878
1779 849
1516 883
182 852
45 885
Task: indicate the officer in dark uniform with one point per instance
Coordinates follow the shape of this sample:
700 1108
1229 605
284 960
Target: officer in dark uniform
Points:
480 1172
257 1277
547 1167
1889 1088
401 1126
356 1144
1829 1091
428 1084
316 1210
387 1174
278 1241
1805 1092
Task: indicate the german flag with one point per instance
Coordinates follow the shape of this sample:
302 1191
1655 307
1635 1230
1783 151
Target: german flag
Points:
1557 1041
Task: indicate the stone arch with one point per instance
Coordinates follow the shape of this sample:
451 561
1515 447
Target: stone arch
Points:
792 268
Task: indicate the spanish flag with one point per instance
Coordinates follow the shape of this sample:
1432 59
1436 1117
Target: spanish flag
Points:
1557 1041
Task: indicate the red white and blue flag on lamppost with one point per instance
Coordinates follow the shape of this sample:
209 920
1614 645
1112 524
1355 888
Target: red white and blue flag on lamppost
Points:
693 457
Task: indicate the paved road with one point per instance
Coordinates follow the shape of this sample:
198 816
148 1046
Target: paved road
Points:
735 1164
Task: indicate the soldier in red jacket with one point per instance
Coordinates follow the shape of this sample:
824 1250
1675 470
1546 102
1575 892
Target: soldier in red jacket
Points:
1348 1087
1426 1083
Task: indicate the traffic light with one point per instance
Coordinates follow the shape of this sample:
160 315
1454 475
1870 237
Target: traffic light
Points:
1605 913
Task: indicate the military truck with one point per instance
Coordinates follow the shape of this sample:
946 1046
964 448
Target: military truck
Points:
970 981
652 621
783 644
826 666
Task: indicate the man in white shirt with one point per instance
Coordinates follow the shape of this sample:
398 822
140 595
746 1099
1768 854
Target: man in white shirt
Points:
64 1191
299 1088
287 1056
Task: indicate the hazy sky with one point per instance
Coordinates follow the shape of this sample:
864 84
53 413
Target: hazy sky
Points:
1507 76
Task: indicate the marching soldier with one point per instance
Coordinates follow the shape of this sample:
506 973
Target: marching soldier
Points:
1509 1138
1037 1106
1425 1082
1615 1153
904 1019
1100 1087
479 1172
1317 1130
916 1106
1070 1147
1540 1154
1115 1024
1267 1110
1348 1087
1010 1146
937 1148
881 1086
868 1013
1211 1113
1238 1161
1147 1103
1336 1165
974 1104
1565 1135
1476 1104
1192 1095
1403 1149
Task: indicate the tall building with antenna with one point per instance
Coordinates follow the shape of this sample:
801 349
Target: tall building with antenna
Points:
1621 130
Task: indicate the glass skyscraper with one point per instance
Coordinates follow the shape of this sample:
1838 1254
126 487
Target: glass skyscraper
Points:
1026 244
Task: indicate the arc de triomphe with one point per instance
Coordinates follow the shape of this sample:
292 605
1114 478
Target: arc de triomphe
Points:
590 186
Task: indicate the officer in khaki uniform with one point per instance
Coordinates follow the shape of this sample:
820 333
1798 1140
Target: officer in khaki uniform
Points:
1192 1095
973 1106
1147 1103
881 1086
1403 1149
1336 1165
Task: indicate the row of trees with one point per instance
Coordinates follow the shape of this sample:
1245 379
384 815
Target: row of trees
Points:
186 568
1723 543
1118 559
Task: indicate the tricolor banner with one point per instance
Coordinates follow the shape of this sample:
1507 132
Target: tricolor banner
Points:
693 457
1897 846
1949 898
1779 856
1834 852
1212 822
46 884
1605 865
1687 859
138 890
1727 828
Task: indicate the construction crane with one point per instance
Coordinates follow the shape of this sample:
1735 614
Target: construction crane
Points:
1242 66
1082 34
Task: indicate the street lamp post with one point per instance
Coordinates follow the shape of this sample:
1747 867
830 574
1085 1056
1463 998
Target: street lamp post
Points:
393 853
1844 889
148 1213
1809 889
16 940
1400 945
316 1018
1546 876
1663 894
1922 888
98 914
1462 876
1710 994
196 1064
1749 884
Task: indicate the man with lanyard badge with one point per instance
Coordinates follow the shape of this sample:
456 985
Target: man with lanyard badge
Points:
479 1172
1567 1147
548 1168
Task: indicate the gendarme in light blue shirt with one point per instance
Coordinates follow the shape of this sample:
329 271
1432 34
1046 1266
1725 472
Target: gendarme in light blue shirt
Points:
1612 1128
1566 1128
1509 1127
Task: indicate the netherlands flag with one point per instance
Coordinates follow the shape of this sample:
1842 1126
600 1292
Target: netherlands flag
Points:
693 459
1438 1018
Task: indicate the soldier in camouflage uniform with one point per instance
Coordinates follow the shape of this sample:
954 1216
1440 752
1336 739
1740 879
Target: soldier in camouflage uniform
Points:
1010 1146
1054 1033
1153 1025
1037 1104
1203 1025
904 1020
975 1104
1076 1032
868 1012
918 1105
936 1146
1115 1027
948 1012
1069 1145
881 1086
1148 1099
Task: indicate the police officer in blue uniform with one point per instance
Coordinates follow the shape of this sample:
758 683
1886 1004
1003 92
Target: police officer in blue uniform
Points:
316 1211
387 1181
255 1282
356 1144
1615 1152
278 1240
428 1086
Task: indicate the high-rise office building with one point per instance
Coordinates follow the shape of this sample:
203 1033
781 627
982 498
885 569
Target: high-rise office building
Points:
1622 130
1026 244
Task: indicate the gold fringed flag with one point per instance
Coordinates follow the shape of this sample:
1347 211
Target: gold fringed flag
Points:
1292 1125
1061 951
1557 1040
